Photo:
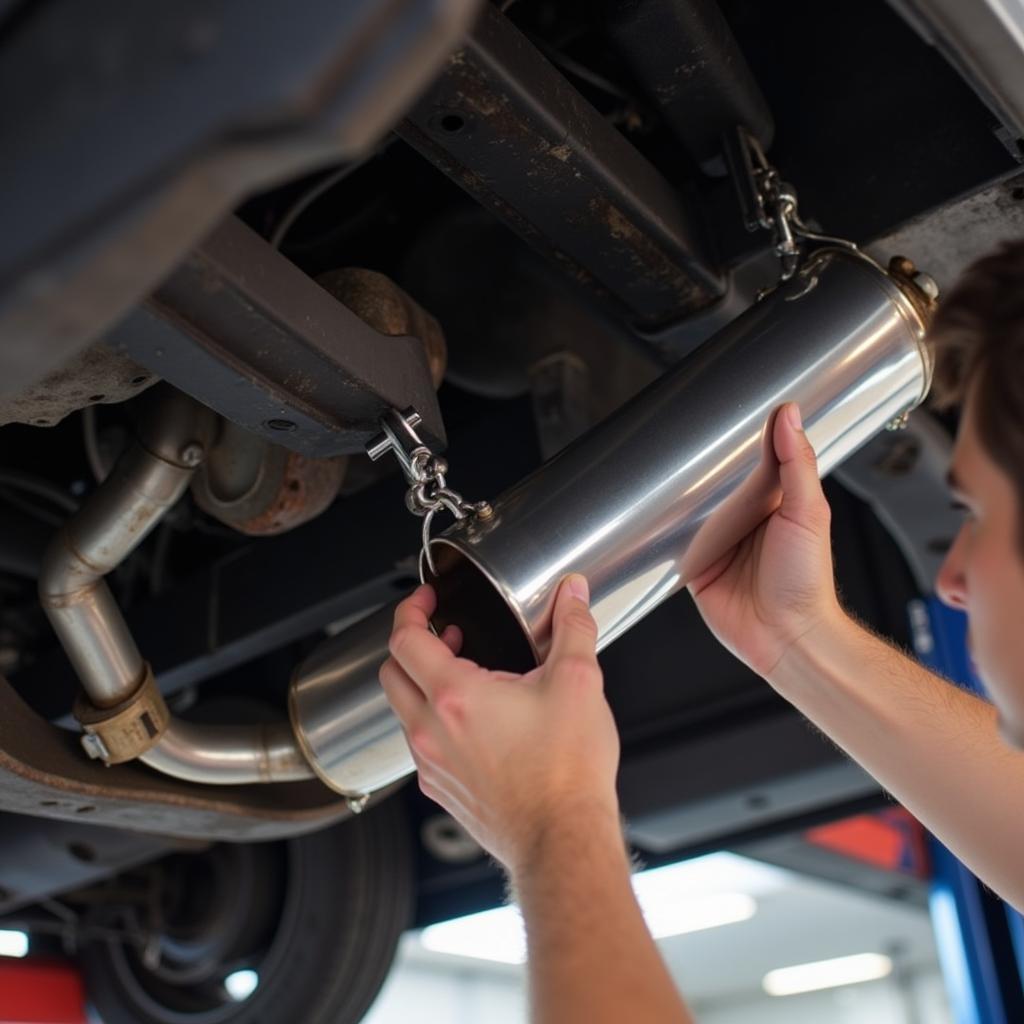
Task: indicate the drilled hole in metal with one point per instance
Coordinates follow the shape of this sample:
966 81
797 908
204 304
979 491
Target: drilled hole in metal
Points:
83 852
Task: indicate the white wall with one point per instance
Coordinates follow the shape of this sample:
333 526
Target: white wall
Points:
427 994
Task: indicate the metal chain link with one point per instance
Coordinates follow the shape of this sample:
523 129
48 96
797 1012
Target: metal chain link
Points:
778 212
426 474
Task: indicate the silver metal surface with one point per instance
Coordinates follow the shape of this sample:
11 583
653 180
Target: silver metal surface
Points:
147 480
984 41
109 526
340 714
663 488
228 754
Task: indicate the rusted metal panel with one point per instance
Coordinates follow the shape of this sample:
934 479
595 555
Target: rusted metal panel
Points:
96 375
43 772
504 124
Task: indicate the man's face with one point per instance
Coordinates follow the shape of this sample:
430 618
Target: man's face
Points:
984 572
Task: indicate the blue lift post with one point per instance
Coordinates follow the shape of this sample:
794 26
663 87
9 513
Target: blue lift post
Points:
980 939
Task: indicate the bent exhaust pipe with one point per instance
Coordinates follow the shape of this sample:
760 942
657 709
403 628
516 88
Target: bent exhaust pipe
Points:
122 710
647 500
641 505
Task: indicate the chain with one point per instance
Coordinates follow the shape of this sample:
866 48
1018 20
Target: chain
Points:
776 210
426 473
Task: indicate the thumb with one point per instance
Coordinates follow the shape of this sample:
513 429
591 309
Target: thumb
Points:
573 629
803 500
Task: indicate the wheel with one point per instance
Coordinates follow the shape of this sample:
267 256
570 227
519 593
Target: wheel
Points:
313 921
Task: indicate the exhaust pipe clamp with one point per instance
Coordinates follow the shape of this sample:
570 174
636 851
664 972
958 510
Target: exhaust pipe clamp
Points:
126 730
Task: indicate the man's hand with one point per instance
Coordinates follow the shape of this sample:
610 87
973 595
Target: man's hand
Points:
777 585
508 755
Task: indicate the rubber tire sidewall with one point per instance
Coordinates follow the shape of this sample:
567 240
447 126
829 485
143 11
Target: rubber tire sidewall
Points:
351 892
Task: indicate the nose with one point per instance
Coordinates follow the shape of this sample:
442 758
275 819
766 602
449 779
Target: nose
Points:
951 583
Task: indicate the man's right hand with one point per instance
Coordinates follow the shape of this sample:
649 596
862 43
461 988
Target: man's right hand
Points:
777 585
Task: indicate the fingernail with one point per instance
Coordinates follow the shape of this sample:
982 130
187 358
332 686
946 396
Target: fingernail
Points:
793 412
579 588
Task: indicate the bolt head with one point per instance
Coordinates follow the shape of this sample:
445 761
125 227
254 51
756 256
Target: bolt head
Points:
357 804
192 454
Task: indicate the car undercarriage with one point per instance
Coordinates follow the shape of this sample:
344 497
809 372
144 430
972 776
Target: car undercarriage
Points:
237 239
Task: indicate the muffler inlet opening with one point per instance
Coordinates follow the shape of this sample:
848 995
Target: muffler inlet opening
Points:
466 596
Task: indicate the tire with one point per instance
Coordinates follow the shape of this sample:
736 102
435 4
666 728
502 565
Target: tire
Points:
318 917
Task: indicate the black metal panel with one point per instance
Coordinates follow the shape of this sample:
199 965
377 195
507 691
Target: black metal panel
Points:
504 124
686 57
42 857
243 330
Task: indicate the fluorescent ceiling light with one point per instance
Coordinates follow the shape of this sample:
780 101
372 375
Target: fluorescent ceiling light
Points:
13 943
496 934
680 916
844 970
706 892
241 984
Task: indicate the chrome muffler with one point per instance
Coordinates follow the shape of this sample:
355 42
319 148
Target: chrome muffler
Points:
647 500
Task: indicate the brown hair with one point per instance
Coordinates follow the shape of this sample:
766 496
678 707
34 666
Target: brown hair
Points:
977 338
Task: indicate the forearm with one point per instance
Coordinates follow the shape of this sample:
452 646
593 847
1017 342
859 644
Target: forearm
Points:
935 747
591 958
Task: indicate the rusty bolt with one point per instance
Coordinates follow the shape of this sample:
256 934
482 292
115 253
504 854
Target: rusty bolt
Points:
484 510
192 454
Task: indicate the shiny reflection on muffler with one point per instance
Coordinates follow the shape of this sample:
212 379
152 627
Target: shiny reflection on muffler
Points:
339 713
643 503
665 486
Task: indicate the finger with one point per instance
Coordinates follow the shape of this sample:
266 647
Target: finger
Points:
573 629
452 638
424 656
404 696
803 500
417 608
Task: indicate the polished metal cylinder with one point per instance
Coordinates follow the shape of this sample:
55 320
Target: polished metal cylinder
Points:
340 715
129 503
667 485
228 755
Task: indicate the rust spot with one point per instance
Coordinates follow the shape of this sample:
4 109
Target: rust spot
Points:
306 488
649 260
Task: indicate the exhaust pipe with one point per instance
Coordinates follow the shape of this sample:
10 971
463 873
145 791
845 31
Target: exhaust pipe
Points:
641 505
646 501
121 709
